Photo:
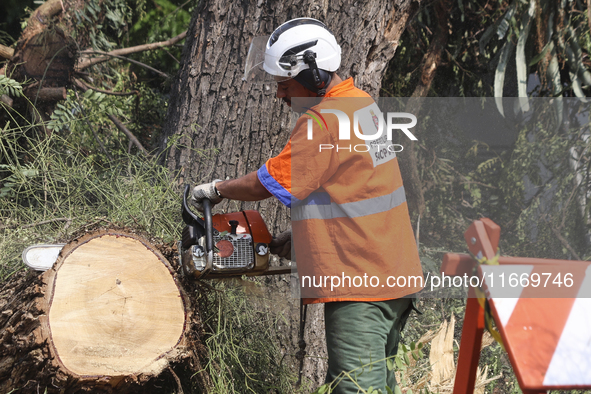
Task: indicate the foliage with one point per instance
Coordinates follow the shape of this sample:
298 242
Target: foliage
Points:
498 48
50 188
104 25
165 19
561 28
10 87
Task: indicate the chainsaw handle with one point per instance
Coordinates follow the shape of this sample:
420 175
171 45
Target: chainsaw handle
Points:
208 225
188 216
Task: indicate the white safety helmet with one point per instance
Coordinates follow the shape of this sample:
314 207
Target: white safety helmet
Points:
302 48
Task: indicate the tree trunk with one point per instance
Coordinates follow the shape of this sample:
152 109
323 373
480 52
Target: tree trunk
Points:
408 159
220 127
110 316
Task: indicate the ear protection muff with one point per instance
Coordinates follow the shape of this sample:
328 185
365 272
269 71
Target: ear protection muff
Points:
313 78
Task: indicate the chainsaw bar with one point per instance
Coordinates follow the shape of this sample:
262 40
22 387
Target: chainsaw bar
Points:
41 257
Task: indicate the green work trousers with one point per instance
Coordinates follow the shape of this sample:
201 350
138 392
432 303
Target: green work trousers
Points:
359 333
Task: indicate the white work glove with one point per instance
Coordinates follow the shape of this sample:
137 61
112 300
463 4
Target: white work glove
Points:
281 244
207 190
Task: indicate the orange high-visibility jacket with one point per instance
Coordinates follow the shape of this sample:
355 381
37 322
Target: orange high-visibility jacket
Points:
351 230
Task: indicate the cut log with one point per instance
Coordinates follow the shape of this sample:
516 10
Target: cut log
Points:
44 52
46 94
6 52
110 316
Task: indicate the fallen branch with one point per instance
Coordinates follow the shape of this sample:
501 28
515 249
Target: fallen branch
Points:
128 133
6 52
134 62
47 94
41 17
85 63
108 91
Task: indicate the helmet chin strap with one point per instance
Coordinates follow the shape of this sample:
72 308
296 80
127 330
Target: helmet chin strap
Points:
313 78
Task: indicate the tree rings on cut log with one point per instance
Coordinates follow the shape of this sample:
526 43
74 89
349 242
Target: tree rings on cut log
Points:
114 308
111 316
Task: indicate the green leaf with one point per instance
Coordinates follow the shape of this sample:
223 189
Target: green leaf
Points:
504 24
91 11
406 359
553 74
397 390
577 88
541 55
412 346
322 389
573 44
370 390
500 73
389 390
30 172
390 364
420 345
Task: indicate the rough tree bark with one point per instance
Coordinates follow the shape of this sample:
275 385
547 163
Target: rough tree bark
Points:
110 316
219 127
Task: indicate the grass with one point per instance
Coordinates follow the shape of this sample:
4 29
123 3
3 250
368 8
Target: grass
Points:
50 191
242 327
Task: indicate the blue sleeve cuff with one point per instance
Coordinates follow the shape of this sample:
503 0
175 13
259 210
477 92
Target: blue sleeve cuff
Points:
274 187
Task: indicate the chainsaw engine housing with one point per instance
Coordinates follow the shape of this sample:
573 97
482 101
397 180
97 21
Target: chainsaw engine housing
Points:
240 244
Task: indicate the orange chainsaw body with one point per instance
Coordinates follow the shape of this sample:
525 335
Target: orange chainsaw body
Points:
223 245
249 222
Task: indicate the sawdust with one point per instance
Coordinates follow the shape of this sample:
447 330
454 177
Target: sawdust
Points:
441 359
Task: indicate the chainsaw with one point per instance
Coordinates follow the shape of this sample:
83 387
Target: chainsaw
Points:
224 245
215 246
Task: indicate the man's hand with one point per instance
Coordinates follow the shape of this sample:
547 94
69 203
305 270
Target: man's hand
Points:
207 190
281 245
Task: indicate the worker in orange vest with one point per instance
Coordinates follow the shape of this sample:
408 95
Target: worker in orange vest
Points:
353 241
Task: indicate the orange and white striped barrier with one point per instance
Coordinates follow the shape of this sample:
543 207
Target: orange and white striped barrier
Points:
541 307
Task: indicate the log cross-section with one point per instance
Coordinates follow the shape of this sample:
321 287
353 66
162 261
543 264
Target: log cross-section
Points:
114 308
110 316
